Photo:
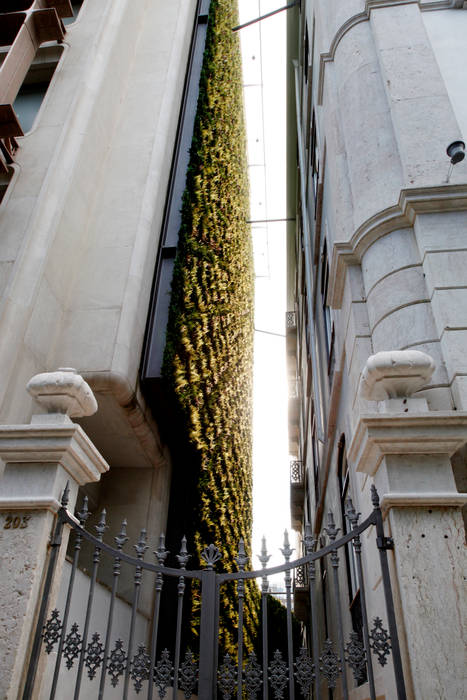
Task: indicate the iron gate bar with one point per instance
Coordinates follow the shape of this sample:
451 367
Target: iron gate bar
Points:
140 548
83 516
207 678
161 555
332 531
310 543
183 557
381 540
55 544
264 557
287 552
100 527
241 560
120 540
357 545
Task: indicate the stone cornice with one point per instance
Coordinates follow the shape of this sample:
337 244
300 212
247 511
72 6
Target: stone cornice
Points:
414 201
451 499
34 503
64 444
378 435
364 16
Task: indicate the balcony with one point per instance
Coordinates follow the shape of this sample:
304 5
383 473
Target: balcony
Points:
297 493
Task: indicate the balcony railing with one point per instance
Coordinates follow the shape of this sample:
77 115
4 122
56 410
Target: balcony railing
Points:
297 493
290 320
297 476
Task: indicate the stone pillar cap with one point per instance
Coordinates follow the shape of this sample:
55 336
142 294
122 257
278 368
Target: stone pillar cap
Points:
395 374
64 392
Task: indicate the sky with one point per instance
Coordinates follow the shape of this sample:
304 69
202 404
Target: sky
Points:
263 56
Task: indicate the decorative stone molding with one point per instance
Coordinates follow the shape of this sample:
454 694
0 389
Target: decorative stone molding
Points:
432 432
395 374
63 392
452 499
66 445
419 200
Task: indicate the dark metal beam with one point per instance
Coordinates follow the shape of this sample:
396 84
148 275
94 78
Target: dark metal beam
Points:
269 14
270 221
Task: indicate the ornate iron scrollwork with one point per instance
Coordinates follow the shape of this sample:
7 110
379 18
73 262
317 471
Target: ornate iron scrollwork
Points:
117 663
140 668
72 646
211 556
227 677
94 655
278 676
188 675
163 673
305 672
380 641
356 657
52 630
253 676
329 664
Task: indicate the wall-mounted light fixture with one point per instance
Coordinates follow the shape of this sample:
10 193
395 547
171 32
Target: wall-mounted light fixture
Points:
456 152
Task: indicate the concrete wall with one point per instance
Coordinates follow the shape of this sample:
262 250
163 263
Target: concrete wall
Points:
79 224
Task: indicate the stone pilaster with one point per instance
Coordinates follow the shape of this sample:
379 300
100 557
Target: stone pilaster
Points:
40 459
407 450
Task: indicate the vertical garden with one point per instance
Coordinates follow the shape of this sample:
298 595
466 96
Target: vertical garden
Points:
209 350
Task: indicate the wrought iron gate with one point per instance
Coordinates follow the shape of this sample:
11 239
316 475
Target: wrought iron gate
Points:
100 663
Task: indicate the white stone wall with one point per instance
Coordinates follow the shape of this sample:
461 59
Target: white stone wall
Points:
79 224
389 97
447 31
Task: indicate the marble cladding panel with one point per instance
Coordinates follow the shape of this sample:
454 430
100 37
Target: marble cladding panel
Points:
433 349
400 288
450 308
22 555
459 392
392 252
430 557
441 231
366 126
454 344
404 328
445 269
414 89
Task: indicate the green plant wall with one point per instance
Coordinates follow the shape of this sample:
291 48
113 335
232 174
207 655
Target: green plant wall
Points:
209 351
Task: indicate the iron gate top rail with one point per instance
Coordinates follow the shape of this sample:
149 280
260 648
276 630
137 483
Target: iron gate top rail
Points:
67 517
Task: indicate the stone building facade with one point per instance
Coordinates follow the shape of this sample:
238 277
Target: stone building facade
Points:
91 94
377 286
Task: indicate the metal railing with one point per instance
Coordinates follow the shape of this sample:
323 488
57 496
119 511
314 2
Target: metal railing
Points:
321 666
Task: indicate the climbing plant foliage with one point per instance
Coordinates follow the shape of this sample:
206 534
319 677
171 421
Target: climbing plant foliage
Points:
208 356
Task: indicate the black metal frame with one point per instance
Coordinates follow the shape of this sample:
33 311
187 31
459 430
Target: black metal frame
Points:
310 673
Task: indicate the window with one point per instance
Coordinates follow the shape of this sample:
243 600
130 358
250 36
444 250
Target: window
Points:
35 85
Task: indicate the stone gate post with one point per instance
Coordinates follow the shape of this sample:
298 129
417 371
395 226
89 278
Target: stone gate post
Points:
406 448
39 460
